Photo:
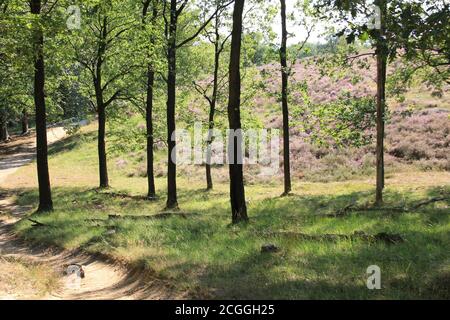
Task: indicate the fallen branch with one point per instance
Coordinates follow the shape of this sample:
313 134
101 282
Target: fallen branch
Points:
163 215
95 220
120 195
38 224
429 201
351 208
358 235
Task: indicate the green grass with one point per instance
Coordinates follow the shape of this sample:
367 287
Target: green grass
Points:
209 258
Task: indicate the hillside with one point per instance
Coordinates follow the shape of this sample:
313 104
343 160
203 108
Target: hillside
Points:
233 267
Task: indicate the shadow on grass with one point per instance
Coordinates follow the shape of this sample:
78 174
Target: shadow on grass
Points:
211 260
70 142
320 271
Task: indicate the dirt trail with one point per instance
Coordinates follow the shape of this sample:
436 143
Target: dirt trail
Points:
18 152
102 280
22 150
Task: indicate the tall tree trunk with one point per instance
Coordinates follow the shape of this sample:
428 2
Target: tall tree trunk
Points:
103 169
101 144
381 106
24 121
150 139
237 190
45 196
284 100
101 148
212 106
209 182
101 110
172 202
149 108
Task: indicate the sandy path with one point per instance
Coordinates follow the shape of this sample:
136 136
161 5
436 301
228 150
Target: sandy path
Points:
102 280
21 151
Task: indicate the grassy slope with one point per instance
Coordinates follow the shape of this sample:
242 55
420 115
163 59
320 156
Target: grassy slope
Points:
207 257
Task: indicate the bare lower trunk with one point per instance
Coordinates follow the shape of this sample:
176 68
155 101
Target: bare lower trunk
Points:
209 182
149 103
4 134
237 190
380 129
172 202
45 197
24 122
284 101
103 169
381 106
101 111
150 139
212 106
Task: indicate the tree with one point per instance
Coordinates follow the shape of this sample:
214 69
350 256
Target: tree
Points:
287 57
357 16
171 32
215 85
149 99
382 56
237 190
4 134
24 121
102 50
45 196
422 28
15 71
284 100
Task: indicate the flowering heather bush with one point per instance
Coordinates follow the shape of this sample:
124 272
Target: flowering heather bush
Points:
422 136
121 163
417 132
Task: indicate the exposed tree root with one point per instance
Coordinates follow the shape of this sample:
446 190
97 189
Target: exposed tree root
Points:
358 235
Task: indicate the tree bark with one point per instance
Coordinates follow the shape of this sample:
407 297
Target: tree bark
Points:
212 105
172 202
24 121
103 168
209 182
381 106
284 100
101 111
101 144
45 196
4 134
237 190
149 111
150 139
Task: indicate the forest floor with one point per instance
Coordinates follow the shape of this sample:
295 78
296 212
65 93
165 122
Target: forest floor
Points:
326 233
40 272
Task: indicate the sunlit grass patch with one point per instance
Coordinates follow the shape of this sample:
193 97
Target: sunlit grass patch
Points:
206 256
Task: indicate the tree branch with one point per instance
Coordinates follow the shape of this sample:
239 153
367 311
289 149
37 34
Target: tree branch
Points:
203 26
